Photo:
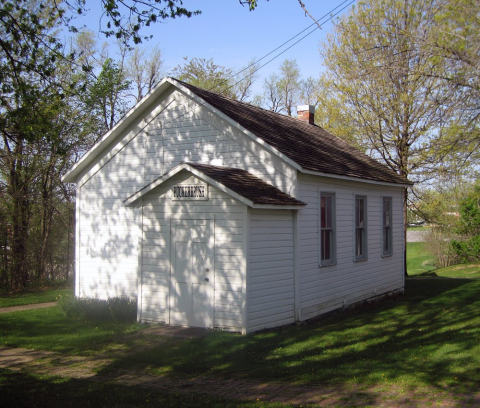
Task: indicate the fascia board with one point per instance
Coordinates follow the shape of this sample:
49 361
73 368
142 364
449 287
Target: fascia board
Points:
278 207
357 179
235 124
127 120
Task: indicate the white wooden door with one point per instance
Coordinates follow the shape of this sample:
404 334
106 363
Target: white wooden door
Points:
191 288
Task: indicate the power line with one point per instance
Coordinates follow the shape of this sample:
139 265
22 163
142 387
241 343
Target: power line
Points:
295 43
271 52
292 38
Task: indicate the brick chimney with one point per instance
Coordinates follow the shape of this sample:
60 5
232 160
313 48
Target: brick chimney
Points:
306 113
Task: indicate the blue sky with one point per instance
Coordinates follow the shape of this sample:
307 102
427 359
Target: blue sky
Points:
232 35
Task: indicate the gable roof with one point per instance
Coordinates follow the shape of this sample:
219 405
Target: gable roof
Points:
238 183
310 146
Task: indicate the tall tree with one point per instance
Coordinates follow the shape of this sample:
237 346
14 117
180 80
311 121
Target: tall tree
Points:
281 91
377 68
217 78
143 70
106 96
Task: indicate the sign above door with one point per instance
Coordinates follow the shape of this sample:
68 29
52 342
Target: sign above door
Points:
190 192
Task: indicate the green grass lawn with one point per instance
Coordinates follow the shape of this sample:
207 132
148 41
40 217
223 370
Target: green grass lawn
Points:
471 271
431 336
418 228
49 329
421 263
28 298
419 260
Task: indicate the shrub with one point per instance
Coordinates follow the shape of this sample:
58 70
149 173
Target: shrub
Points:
468 250
118 309
439 245
122 309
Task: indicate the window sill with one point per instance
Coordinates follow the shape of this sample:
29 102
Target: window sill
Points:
326 266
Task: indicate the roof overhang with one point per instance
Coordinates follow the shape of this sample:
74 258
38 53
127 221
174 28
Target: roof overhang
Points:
357 179
134 199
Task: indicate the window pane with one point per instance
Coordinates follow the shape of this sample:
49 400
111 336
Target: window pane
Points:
386 240
326 244
387 227
386 212
327 229
359 241
322 212
328 212
359 212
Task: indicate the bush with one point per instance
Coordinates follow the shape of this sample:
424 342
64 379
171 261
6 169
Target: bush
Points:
468 250
118 309
439 245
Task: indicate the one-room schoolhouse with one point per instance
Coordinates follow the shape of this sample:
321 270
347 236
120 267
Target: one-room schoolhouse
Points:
216 213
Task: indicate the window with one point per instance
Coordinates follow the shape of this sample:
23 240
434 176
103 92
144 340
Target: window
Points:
387 225
360 228
327 229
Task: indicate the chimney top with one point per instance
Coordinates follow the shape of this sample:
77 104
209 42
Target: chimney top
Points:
306 113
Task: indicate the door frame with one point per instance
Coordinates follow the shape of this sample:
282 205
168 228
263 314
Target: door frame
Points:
210 288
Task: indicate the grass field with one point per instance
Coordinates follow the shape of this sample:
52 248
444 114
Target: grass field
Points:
419 260
421 263
28 298
469 271
49 329
430 336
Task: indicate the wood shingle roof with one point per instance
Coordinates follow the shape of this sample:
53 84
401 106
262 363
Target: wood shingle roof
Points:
247 185
310 146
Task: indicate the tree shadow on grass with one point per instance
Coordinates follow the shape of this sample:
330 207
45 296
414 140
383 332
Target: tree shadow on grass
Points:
429 337
23 390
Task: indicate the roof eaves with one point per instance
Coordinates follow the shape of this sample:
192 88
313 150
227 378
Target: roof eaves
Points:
278 207
351 178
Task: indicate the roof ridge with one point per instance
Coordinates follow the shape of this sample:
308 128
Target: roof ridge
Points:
316 138
247 104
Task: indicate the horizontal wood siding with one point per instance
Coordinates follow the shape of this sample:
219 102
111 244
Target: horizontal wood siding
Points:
326 288
175 130
107 251
271 265
229 265
185 132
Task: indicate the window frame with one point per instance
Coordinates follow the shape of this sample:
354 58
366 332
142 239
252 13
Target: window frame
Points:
332 260
387 232
363 229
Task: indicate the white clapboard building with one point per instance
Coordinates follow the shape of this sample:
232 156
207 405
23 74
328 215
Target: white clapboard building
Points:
215 213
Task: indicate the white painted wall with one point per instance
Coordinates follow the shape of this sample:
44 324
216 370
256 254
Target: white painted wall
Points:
326 288
229 265
108 232
270 269
187 132
174 130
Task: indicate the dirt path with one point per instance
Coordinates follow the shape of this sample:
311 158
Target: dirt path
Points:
351 395
26 307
